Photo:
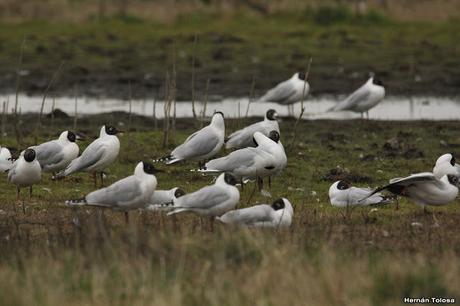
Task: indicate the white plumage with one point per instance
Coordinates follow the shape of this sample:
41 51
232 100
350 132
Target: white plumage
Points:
5 159
341 194
289 91
202 144
244 138
126 194
279 214
56 155
211 201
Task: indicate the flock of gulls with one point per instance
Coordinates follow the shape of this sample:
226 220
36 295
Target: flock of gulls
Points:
256 154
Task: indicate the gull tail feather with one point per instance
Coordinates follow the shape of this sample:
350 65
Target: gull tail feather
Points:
76 202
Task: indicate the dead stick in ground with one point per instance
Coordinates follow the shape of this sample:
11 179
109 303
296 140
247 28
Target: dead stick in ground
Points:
251 94
203 115
193 77
17 130
307 72
75 118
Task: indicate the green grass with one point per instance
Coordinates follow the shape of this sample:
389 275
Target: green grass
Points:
328 257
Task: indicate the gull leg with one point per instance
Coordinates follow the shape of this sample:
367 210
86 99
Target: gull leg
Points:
126 217
260 183
95 179
211 224
242 185
102 179
367 115
269 182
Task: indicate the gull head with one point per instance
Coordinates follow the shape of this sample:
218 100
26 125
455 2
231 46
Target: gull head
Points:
149 168
29 155
453 179
230 179
179 192
274 135
302 76
71 136
278 204
342 185
271 114
111 130
377 81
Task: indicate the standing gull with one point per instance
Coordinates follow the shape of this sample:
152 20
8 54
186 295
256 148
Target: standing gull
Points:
5 159
288 92
245 164
279 214
342 194
202 144
97 156
211 201
25 172
244 138
423 188
56 155
130 193
364 98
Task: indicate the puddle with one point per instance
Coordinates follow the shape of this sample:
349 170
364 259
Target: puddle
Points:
392 108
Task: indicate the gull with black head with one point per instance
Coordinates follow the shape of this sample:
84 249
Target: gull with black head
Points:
244 138
25 172
132 192
277 215
56 155
423 188
100 154
202 144
364 98
288 92
342 194
210 201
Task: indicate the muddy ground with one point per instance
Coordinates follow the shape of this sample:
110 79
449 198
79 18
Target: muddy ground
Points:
109 58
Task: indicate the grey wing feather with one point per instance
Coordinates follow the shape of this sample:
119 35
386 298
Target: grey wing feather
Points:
406 181
280 93
49 153
204 198
123 191
349 103
89 157
244 157
200 143
258 213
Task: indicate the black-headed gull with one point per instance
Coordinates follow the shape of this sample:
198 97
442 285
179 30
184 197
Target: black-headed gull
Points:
245 164
446 164
5 159
279 214
25 172
100 154
289 91
364 98
56 155
423 188
211 201
342 194
129 193
202 144
162 199
244 138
